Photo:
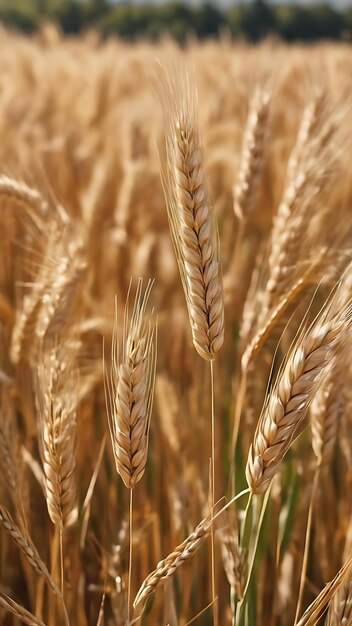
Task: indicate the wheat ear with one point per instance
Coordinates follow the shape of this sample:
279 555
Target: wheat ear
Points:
300 376
11 465
312 614
340 606
313 115
19 611
326 411
130 393
306 183
192 222
252 158
22 193
56 402
130 388
314 159
182 553
195 238
64 283
25 544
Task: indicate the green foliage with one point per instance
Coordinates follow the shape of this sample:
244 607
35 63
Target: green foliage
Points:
301 22
252 21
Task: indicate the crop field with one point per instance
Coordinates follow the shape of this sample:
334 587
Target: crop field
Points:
176 333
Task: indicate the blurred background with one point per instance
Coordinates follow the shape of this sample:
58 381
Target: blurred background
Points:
252 20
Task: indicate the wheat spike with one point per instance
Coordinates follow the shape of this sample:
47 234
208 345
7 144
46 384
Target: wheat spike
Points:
130 388
57 403
27 547
301 374
233 559
314 159
313 114
64 280
252 158
340 606
192 222
12 474
19 611
24 335
21 192
326 411
180 555
312 614
305 186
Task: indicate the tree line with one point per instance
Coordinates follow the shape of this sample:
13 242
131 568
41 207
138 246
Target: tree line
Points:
251 21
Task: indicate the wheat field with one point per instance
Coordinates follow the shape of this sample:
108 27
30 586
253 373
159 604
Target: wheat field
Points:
176 332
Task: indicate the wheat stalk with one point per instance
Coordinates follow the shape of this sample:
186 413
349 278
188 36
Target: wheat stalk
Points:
129 397
195 238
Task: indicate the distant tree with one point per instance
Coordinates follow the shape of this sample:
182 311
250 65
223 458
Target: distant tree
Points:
209 21
254 21
70 16
95 9
19 14
309 23
124 20
347 31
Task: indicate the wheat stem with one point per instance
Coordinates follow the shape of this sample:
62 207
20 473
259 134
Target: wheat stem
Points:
307 543
130 557
61 544
213 581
